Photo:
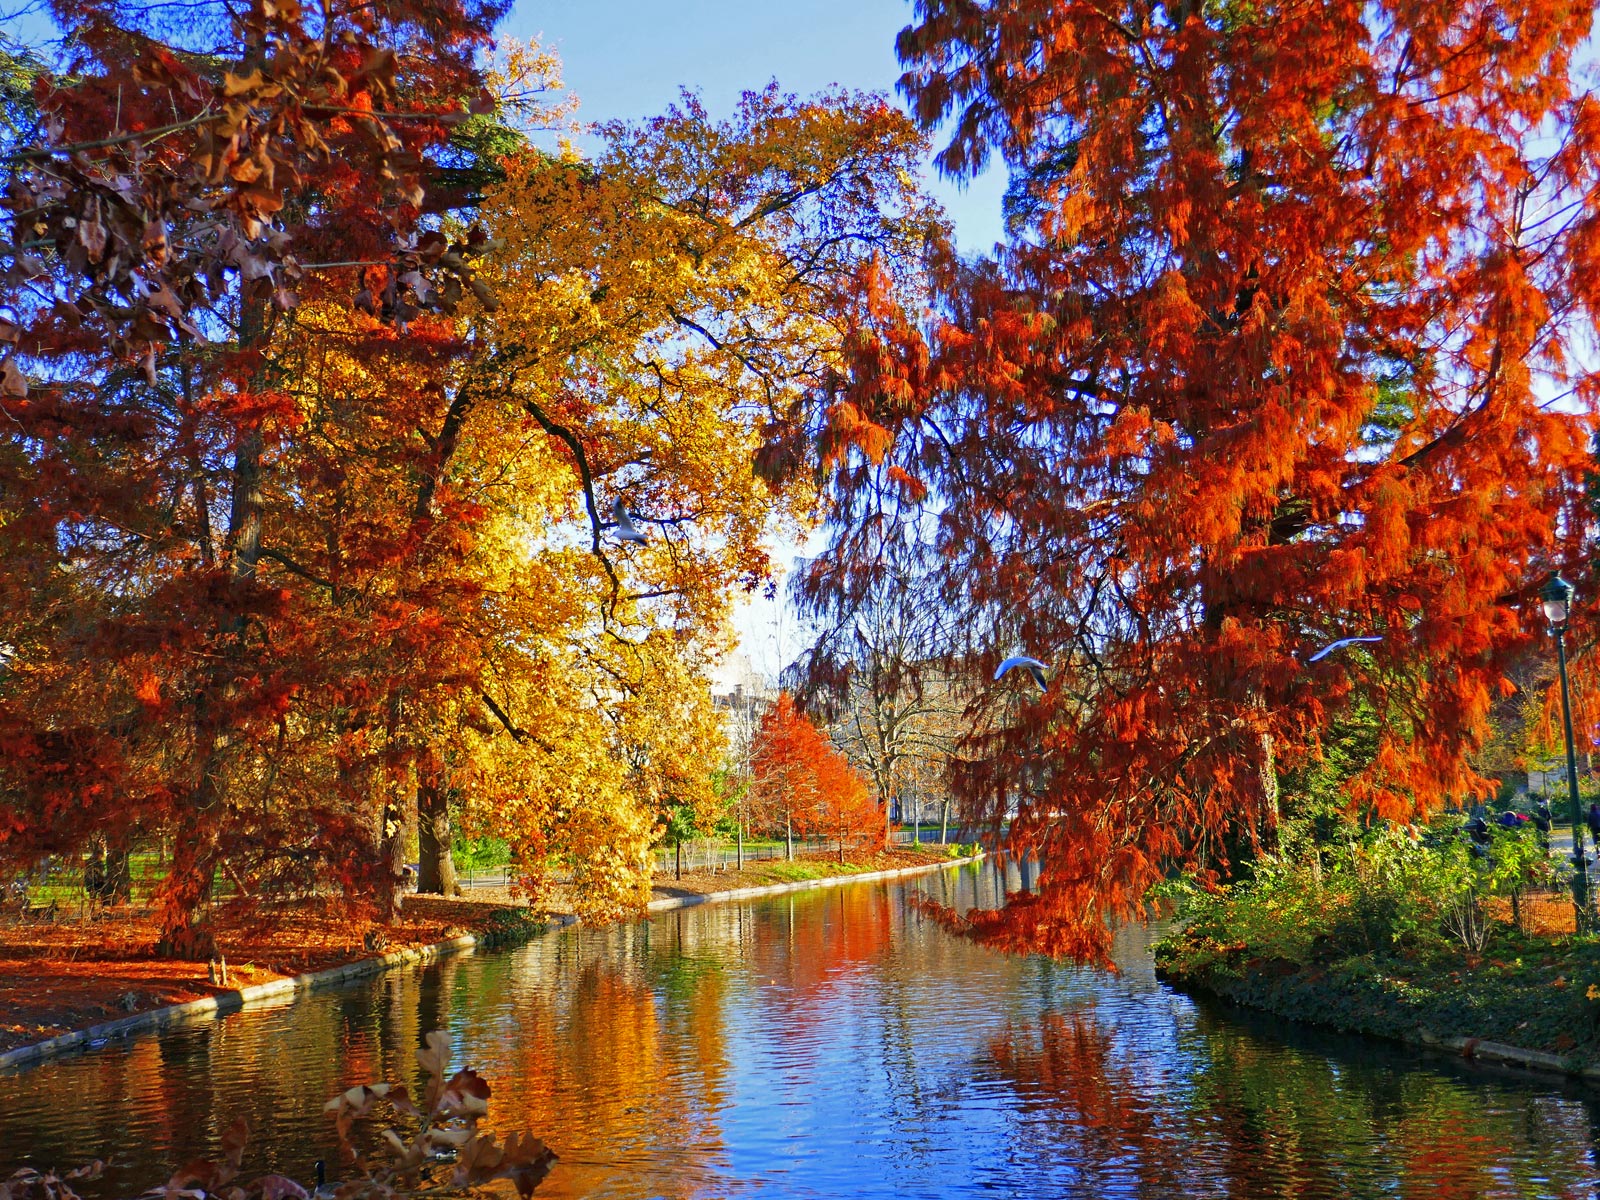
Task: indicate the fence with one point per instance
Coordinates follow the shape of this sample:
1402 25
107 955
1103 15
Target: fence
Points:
57 888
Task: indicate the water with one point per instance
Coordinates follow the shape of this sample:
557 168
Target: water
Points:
830 1043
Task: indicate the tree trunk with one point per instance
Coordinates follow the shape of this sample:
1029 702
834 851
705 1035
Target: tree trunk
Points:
944 821
1269 791
436 867
788 838
184 932
391 861
677 872
119 875
189 884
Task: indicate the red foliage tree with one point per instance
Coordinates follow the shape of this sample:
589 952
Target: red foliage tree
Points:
193 181
1271 356
801 784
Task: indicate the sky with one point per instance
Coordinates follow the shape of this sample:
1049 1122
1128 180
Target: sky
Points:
627 59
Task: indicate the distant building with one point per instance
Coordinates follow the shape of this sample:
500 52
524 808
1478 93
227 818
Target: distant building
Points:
741 694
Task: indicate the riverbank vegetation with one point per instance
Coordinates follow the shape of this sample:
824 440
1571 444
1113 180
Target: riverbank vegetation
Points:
60 976
1400 932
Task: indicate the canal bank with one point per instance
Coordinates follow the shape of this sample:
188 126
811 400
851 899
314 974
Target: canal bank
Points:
1527 1004
827 1043
503 927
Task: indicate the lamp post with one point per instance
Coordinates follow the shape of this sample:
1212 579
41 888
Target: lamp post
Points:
1556 597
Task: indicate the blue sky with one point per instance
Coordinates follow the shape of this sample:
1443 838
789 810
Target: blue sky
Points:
629 59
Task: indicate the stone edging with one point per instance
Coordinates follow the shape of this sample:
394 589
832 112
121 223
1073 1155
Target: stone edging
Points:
1479 1050
291 988
801 885
231 1001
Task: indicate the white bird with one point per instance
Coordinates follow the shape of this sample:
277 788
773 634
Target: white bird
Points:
627 531
1340 644
1035 668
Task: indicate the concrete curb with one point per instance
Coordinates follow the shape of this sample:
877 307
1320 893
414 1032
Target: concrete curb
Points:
289 990
802 885
1501 1054
227 1002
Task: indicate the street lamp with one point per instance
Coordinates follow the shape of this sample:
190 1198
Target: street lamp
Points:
1556 597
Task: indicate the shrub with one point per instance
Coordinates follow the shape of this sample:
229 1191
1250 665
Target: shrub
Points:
1366 893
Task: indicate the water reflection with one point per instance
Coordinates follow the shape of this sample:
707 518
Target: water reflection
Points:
830 1044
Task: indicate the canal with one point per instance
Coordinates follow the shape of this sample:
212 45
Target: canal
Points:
829 1044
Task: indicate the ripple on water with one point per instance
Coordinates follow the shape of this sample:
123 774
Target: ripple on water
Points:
831 1044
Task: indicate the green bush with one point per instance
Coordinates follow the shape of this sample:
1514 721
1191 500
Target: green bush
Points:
1365 893
480 854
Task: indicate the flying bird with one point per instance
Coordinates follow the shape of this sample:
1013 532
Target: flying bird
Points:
627 531
1035 668
1340 644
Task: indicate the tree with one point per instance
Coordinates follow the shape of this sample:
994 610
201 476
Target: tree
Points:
663 303
800 783
306 541
1265 360
844 809
192 180
880 668
783 778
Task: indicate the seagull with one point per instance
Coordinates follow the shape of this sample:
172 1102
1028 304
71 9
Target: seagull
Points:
1340 644
627 531
1035 668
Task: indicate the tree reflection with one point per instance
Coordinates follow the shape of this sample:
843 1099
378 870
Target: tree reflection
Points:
1247 1117
1063 1067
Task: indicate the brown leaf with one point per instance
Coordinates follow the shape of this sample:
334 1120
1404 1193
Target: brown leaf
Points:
528 1161
433 1058
262 200
379 63
400 1100
431 245
92 237
234 1139
490 302
237 85
281 1187
198 1174
466 1093
477 1161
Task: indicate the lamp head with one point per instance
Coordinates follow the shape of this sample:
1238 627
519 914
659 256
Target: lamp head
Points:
1556 598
